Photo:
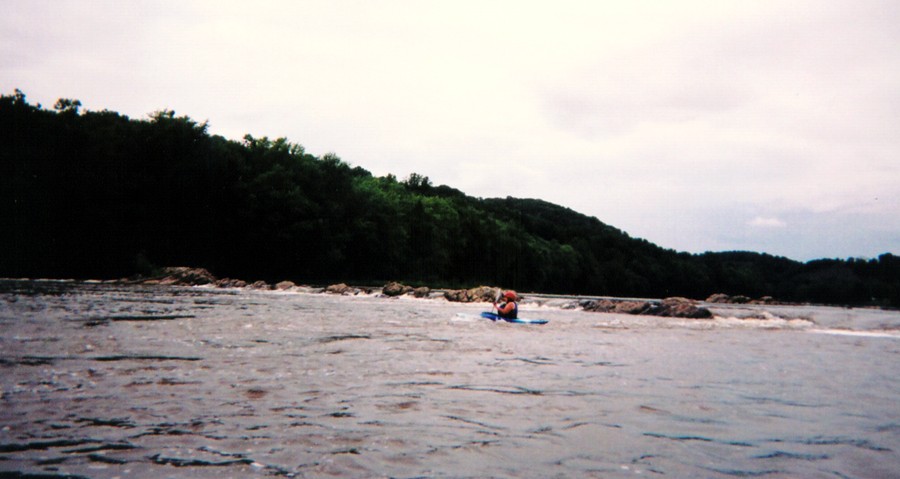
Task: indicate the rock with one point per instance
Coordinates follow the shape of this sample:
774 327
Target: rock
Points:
422 292
632 307
340 288
682 308
479 294
260 285
572 305
395 289
719 298
231 283
484 294
184 276
601 306
739 299
285 285
455 295
671 307
765 300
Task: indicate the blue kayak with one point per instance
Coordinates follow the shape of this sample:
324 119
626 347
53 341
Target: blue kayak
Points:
496 317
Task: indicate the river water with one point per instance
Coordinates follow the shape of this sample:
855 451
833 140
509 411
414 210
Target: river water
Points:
107 381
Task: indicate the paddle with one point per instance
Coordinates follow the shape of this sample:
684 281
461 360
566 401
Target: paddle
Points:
496 298
491 311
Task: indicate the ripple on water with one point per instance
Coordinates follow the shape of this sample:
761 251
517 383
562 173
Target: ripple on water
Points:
173 382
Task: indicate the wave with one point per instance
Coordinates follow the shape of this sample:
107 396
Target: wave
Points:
891 334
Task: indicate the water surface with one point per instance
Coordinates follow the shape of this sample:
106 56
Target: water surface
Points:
107 381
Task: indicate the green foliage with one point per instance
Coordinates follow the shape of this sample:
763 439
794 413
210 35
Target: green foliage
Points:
66 105
96 194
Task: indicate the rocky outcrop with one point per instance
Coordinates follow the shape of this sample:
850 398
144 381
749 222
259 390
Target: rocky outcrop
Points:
340 288
669 307
182 276
393 289
720 298
598 306
633 307
479 294
231 283
765 300
682 308
456 295
285 285
343 289
260 285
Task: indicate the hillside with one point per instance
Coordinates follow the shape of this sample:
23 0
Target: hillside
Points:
97 194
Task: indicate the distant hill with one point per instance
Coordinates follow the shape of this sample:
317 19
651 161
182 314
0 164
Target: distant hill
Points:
97 194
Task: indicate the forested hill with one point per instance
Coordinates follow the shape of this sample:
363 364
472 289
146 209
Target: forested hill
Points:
97 194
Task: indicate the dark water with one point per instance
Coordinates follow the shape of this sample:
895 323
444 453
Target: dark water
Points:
107 381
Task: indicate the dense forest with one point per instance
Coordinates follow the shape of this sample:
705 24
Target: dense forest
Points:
96 194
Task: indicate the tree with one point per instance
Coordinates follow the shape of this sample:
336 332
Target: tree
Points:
66 105
95 194
417 182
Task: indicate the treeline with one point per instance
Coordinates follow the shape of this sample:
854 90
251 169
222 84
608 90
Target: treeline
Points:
97 194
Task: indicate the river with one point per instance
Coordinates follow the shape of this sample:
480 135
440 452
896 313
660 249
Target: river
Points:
111 381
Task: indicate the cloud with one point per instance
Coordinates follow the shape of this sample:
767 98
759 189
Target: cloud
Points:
674 121
767 222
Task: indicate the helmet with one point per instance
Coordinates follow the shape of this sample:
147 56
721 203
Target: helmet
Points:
511 295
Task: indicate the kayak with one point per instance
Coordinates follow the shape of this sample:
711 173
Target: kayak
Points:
496 317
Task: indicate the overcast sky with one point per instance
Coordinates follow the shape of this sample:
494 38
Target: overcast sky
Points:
769 126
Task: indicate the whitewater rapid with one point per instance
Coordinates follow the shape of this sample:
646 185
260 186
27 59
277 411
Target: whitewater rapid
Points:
107 381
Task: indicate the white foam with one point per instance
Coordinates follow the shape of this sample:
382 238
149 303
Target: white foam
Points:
865 334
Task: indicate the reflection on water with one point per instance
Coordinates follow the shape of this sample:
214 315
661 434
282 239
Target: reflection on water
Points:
107 381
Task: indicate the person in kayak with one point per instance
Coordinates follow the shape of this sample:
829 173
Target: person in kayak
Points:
509 309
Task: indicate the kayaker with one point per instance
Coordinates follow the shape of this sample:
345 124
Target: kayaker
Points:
509 309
